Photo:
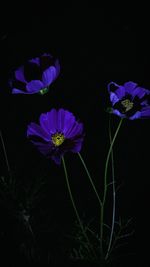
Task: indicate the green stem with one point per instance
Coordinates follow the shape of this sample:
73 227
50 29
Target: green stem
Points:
5 154
101 229
105 183
114 193
90 179
73 204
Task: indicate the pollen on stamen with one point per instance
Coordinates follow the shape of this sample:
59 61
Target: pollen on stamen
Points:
127 104
58 139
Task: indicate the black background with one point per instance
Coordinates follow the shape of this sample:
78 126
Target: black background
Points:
94 46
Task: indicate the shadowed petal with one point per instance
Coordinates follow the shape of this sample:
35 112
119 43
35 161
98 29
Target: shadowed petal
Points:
57 158
109 86
145 112
77 146
45 149
46 60
137 115
35 130
17 91
57 66
140 92
19 74
144 103
35 61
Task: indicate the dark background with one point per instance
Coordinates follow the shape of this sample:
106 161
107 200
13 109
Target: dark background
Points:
94 46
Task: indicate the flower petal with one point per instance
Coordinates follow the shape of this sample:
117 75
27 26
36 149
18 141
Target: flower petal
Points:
19 74
76 130
137 115
46 124
145 112
109 86
59 121
140 92
118 113
118 90
57 66
34 86
48 76
65 121
57 158
129 87
17 91
113 98
77 146
35 130
35 61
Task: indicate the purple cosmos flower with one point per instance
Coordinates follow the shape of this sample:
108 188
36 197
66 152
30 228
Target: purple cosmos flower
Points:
35 76
58 133
129 100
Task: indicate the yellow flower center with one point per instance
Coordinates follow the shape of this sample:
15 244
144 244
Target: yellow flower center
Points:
58 139
127 104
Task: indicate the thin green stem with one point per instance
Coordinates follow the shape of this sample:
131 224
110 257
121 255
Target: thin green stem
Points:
114 193
90 179
107 159
5 154
101 229
114 241
73 204
105 183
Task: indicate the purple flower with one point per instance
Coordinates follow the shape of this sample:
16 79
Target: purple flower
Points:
129 100
57 133
35 76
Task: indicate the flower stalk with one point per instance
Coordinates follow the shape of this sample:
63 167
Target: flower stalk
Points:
105 186
90 179
5 155
74 207
114 193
